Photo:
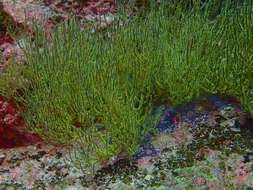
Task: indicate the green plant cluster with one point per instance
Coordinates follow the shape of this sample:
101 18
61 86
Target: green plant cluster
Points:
87 80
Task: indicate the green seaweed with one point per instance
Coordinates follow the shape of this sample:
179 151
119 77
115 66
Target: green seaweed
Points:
89 80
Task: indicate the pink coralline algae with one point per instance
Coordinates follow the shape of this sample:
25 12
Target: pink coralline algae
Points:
12 131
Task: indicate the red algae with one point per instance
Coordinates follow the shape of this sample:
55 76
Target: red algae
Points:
12 127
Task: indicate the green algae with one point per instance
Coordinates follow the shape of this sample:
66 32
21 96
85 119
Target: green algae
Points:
154 81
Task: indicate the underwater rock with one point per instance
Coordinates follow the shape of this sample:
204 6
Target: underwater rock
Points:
7 22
